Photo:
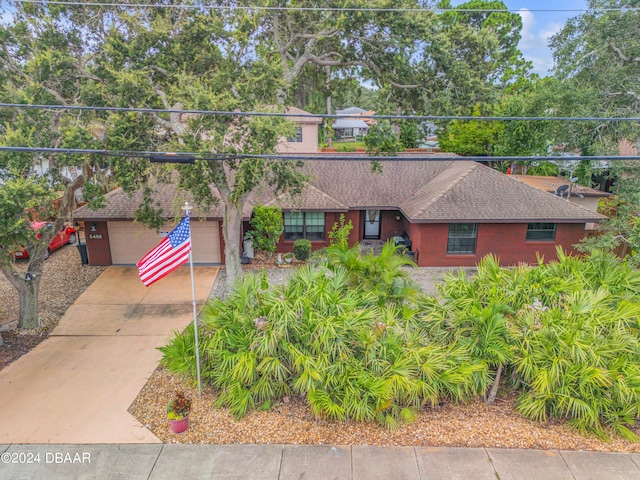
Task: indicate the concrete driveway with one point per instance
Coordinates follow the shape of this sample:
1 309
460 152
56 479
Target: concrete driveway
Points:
76 386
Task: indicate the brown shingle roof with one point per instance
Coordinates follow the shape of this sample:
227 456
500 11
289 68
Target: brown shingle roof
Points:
122 206
425 191
310 199
470 191
352 182
303 119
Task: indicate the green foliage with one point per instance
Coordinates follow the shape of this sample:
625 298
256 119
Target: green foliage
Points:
348 146
339 234
302 249
475 138
547 169
410 134
381 139
268 225
354 337
333 340
567 331
621 231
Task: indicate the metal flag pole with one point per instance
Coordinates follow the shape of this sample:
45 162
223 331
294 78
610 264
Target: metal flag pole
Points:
188 208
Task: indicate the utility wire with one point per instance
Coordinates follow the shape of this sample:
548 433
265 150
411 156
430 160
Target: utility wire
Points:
357 156
321 9
314 115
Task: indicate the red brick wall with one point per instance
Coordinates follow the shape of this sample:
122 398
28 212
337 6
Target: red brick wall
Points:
330 218
390 226
506 241
354 216
98 249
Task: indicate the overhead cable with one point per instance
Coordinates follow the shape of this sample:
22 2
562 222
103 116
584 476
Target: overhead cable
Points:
321 9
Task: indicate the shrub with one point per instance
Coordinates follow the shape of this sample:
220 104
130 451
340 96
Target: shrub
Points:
565 334
339 234
302 249
409 134
322 338
567 331
268 225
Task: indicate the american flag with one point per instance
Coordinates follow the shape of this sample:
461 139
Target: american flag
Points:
168 255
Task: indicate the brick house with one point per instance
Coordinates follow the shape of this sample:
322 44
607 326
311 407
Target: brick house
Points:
454 213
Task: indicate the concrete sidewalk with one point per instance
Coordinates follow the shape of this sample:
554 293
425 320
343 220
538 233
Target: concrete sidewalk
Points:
308 462
76 386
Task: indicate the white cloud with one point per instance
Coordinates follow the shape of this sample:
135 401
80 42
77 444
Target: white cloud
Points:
532 38
534 42
550 31
541 65
528 37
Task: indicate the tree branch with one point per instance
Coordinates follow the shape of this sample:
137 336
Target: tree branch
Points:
625 94
621 55
8 62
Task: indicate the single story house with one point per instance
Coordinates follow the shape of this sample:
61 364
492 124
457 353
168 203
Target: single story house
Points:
453 211
350 124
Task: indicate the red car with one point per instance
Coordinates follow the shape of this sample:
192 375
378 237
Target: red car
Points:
66 235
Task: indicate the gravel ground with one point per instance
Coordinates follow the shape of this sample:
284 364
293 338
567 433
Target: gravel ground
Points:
64 279
469 425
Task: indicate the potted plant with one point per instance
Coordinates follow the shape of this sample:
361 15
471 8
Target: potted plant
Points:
178 411
288 257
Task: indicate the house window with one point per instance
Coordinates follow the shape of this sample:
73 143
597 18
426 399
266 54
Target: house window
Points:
541 231
462 238
309 225
298 137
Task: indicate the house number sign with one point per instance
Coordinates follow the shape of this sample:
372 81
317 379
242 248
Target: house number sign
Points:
95 236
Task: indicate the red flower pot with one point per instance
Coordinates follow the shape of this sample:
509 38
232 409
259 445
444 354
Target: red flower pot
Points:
179 426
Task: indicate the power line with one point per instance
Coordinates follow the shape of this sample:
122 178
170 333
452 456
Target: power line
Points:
321 9
314 115
228 156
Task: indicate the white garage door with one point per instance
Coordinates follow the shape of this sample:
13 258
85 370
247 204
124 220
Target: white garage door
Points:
130 241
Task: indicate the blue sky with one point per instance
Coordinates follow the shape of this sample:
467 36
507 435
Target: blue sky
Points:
538 26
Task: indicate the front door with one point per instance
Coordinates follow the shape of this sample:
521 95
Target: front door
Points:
372 224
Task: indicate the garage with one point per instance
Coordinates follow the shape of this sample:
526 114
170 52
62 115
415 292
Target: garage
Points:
129 241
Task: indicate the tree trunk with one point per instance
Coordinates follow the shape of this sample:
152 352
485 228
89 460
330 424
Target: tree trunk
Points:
328 70
231 231
396 126
494 389
28 296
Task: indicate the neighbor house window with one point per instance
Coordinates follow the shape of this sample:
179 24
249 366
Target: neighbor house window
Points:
462 238
309 225
298 137
541 231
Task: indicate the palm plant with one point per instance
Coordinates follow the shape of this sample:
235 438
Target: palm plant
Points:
384 275
579 361
342 336
353 351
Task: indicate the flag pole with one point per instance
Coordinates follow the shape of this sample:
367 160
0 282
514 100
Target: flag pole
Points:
188 208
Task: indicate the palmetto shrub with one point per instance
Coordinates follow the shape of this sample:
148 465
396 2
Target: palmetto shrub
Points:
353 352
355 338
567 331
